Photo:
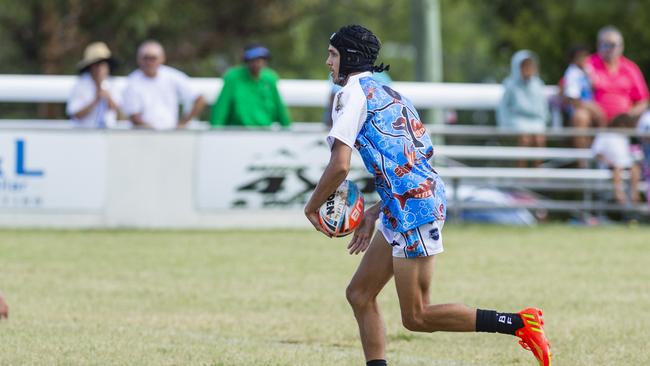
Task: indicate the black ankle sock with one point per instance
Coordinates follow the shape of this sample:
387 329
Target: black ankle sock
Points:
492 322
376 363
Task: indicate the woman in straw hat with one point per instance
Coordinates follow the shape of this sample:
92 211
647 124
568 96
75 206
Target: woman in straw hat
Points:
92 104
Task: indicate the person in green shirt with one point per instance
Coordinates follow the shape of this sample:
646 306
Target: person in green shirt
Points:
250 96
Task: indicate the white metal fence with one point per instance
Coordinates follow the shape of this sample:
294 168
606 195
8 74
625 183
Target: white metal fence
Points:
145 187
296 93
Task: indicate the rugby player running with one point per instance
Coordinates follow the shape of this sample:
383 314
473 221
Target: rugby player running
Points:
395 147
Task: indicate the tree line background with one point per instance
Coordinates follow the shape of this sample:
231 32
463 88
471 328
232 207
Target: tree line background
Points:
204 38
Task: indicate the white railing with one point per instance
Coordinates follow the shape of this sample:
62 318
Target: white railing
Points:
314 93
296 93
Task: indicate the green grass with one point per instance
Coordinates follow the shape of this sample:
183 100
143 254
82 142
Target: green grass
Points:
227 298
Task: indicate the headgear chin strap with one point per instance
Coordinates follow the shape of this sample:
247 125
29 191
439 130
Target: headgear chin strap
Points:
358 48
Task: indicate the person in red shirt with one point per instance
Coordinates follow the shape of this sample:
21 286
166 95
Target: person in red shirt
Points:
617 82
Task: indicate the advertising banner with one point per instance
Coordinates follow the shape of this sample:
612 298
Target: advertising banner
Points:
52 171
258 170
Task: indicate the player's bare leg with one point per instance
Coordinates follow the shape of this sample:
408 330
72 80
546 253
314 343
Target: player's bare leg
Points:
374 271
412 280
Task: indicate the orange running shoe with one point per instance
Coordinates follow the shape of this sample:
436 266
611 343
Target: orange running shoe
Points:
532 335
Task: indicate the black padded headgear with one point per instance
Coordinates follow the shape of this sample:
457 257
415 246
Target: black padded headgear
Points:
359 48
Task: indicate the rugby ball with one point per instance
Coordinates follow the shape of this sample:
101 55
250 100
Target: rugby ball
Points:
343 210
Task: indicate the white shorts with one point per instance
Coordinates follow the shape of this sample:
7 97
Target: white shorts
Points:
423 241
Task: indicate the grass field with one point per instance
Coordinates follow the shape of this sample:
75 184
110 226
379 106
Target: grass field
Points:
277 297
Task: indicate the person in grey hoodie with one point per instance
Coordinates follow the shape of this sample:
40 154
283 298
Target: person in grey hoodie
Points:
523 107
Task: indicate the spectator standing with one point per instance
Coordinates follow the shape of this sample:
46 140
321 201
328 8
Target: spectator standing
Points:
92 103
155 91
523 107
576 84
618 84
612 150
250 95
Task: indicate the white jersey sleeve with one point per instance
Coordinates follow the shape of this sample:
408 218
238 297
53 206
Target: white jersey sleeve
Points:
349 112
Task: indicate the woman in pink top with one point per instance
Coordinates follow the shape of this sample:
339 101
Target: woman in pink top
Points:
617 82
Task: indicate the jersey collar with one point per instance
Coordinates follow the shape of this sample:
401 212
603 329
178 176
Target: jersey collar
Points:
359 76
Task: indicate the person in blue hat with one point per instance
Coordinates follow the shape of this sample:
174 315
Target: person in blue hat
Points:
250 95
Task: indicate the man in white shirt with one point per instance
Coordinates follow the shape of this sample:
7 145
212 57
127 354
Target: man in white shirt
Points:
154 92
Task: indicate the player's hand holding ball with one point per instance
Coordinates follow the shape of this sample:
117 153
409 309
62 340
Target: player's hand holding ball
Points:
341 213
314 218
363 234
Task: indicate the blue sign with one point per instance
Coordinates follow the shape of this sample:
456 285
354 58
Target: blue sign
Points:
21 165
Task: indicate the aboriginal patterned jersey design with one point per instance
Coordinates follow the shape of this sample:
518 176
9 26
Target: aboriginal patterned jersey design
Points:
396 148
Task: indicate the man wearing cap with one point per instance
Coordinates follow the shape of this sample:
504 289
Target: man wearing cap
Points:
92 103
155 91
250 96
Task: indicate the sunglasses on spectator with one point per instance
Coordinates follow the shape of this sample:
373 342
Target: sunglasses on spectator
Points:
149 57
608 45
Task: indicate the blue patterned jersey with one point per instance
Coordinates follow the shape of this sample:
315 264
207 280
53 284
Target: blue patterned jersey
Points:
396 149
